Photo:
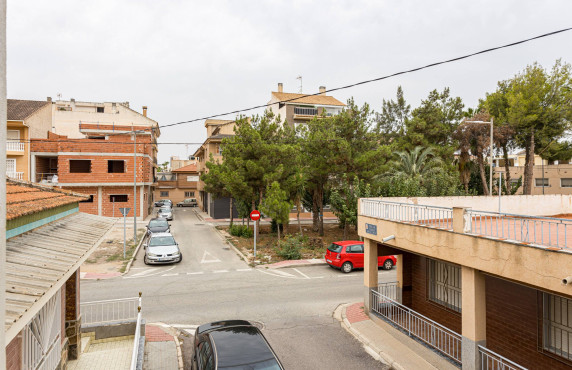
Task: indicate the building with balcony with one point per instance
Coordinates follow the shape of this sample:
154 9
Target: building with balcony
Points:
486 289
217 130
178 185
175 162
26 119
100 158
297 109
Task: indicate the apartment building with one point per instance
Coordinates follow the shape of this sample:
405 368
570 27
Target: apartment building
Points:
217 130
100 158
486 290
296 109
26 119
175 162
178 185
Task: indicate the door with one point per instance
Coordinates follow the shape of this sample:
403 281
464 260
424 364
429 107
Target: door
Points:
354 254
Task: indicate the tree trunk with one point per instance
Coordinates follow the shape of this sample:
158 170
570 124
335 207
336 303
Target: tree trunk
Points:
258 221
231 215
243 221
482 172
321 216
278 230
298 206
345 231
529 166
508 186
315 212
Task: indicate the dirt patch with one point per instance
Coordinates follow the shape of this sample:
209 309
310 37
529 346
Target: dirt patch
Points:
312 245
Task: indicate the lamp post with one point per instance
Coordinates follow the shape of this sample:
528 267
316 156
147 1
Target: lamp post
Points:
491 153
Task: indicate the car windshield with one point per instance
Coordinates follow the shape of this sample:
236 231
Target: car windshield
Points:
336 248
158 223
165 209
161 240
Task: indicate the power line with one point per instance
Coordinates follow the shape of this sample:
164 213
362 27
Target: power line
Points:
379 78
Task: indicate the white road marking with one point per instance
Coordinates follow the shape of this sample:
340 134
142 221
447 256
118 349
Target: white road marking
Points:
283 273
175 274
211 260
301 273
244 269
219 271
147 273
195 273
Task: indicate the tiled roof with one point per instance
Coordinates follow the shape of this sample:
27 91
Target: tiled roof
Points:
19 110
24 198
188 168
303 99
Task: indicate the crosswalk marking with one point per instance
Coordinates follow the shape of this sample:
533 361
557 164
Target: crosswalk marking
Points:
219 271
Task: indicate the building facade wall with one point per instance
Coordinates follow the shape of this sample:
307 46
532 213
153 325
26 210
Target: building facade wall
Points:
22 158
109 208
40 123
553 173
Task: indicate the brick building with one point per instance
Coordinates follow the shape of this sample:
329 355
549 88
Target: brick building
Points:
485 289
178 184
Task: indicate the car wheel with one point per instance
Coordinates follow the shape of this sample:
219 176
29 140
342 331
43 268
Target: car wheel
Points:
388 265
180 258
145 260
347 267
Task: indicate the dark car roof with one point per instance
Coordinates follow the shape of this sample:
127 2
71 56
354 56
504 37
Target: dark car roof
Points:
241 346
221 324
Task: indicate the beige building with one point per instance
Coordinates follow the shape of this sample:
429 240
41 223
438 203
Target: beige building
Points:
178 185
296 109
176 163
26 119
484 289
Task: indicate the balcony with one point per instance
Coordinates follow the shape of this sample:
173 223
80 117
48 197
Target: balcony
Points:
15 146
15 175
301 113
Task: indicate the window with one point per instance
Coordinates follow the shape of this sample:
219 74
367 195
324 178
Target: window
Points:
80 166
118 198
192 178
189 194
90 200
13 135
100 109
206 356
354 249
164 194
114 166
541 182
566 183
557 325
444 284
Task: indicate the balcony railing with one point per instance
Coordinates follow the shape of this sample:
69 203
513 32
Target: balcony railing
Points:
493 361
434 216
306 111
390 290
111 310
414 324
15 175
15 146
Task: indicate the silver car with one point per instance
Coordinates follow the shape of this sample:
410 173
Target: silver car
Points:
161 248
165 212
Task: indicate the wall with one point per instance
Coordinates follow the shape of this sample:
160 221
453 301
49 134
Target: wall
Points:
22 158
40 123
175 195
109 209
512 324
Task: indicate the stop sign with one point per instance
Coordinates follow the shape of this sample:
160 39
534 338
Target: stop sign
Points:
255 215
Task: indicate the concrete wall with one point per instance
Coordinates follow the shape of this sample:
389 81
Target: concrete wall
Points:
40 123
532 205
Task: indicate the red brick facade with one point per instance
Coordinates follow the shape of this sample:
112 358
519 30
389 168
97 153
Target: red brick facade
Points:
14 354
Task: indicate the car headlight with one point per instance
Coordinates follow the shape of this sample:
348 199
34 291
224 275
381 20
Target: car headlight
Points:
176 254
151 254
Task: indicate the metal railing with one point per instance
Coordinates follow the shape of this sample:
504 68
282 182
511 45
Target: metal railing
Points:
15 146
434 216
135 354
306 111
46 177
110 310
390 290
428 331
493 361
15 175
547 231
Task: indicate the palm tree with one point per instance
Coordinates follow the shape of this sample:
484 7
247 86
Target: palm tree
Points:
417 162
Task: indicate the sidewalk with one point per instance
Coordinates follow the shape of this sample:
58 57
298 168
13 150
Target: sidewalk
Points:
161 349
387 344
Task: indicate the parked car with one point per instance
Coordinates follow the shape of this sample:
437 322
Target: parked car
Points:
233 344
165 212
189 202
348 255
161 248
158 225
163 202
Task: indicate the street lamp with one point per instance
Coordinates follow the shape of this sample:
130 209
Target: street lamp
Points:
491 154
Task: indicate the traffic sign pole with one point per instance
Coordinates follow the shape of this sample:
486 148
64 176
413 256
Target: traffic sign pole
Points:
124 212
254 238
255 216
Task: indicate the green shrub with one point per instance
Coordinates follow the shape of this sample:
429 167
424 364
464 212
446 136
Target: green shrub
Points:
290 248
240 230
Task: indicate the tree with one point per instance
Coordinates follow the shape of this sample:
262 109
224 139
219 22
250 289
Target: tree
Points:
344 201
391 121
216 182
276 205
163 167
418 162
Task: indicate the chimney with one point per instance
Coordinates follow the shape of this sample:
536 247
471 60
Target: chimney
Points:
114 108
144 111
280 87
49 99
72 103
322 90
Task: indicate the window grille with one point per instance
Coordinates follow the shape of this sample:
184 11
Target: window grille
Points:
444 284
557 325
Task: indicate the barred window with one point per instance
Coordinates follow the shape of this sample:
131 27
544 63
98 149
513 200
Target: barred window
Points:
189 194
164 194
444 285
541 182
557 325
566 183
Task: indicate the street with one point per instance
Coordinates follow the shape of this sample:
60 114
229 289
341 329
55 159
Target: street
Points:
292 305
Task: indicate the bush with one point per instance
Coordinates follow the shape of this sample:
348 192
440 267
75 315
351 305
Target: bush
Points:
290 248
240 230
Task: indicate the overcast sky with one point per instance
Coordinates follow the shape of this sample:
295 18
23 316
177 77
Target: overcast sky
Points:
190 59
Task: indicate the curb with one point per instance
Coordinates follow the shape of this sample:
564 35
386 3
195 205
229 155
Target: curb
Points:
292 265
128 267
340 315
179 352
231 245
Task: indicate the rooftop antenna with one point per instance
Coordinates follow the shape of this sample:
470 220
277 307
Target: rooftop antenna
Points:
300 78
59 95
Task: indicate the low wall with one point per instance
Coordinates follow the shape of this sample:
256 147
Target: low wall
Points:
113 329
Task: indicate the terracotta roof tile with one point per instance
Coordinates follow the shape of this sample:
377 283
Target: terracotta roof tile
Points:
188 168
23 198
312 99
19 110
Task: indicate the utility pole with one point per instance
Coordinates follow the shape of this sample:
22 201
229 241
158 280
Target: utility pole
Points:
134 186
3 135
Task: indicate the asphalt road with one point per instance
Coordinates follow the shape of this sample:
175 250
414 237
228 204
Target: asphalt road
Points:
293 305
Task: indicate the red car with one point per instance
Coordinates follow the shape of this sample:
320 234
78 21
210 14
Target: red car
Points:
348 255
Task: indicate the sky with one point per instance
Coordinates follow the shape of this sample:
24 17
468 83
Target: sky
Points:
191 59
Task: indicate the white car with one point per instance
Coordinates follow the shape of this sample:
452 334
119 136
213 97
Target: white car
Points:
162 248
165 212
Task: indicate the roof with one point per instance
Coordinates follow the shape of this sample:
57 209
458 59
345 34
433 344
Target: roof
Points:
23 198
39 262
19 110
307 99
348 242
219 136
210 122
188 168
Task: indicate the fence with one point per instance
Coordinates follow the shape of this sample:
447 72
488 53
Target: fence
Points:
135 354
99 312
493 361
434 216
390 290
435 335
306 111
547 231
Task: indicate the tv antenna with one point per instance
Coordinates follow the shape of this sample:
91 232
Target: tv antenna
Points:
300 78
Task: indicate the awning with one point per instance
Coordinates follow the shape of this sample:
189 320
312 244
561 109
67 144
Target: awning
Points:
39 262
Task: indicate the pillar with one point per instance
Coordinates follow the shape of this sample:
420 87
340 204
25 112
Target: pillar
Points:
474 317
370 274
399 266
100 201
72 316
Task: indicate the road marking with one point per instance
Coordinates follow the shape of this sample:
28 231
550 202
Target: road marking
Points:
244 269
175 274
148 273
195 273
211 260
283 273
219 271
301 273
